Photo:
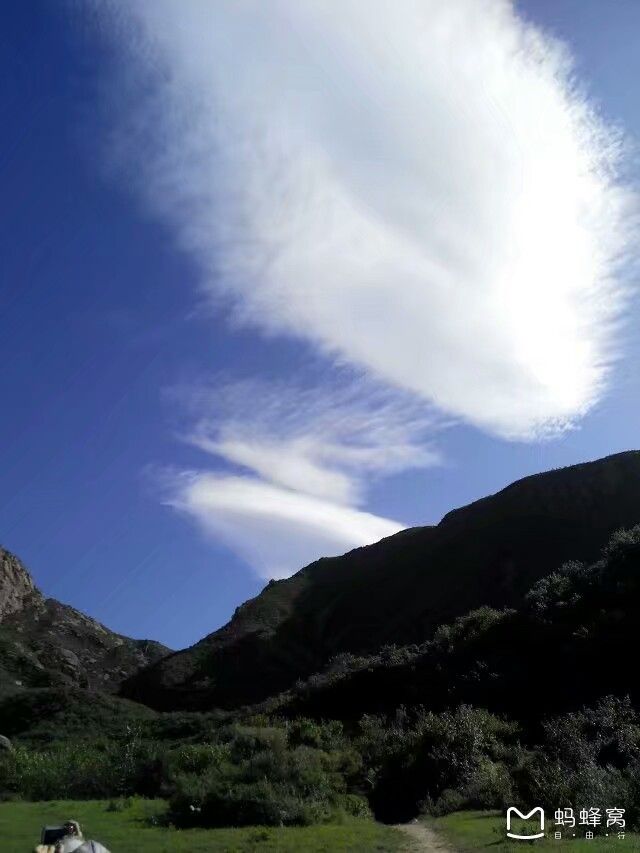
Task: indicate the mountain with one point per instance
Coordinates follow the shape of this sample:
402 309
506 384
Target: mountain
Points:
401 589
564 647
44 643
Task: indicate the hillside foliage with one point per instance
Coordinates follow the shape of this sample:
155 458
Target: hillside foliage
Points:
530 704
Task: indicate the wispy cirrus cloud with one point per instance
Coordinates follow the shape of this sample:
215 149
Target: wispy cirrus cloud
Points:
297 464
418 189
327 441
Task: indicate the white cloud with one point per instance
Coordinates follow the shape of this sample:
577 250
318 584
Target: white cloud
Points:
415 187
275 530
327 441
418 190
305 457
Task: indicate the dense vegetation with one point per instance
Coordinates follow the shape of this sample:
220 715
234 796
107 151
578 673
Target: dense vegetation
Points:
566 645
301 772
401 589
458 722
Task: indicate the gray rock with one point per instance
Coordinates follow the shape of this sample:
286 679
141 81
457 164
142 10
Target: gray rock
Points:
17 589
5 743
70 658
47 643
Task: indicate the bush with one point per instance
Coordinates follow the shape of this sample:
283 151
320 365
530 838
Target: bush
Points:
263 781
82 770
69 773
553 784
448 801
489 787
440 752
304 732
195 758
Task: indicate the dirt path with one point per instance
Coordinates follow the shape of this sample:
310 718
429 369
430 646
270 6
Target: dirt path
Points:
425 840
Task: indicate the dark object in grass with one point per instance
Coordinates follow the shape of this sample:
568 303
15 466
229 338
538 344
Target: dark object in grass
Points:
52 834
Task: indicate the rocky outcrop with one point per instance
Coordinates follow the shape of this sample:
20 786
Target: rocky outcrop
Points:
17 588
5 744
45 643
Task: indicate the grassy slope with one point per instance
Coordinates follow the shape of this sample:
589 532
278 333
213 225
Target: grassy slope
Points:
467 831
47 714
128 832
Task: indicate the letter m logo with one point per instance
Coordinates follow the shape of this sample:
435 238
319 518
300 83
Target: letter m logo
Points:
512 811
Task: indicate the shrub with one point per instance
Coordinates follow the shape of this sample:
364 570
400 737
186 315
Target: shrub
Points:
448 801
278 786
586 758
305 732
489 787
196 758
448 751
68 773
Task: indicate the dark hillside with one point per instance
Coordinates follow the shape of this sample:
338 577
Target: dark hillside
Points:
566 645
402 588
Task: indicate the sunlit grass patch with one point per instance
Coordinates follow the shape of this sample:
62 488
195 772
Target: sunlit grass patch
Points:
477 830
128 828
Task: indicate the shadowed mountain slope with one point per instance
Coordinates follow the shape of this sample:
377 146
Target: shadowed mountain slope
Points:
402 588
45 643
564 647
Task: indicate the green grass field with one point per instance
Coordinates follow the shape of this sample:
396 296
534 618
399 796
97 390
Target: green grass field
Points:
470 831
129 831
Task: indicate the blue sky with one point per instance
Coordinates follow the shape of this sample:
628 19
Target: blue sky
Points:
166 446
